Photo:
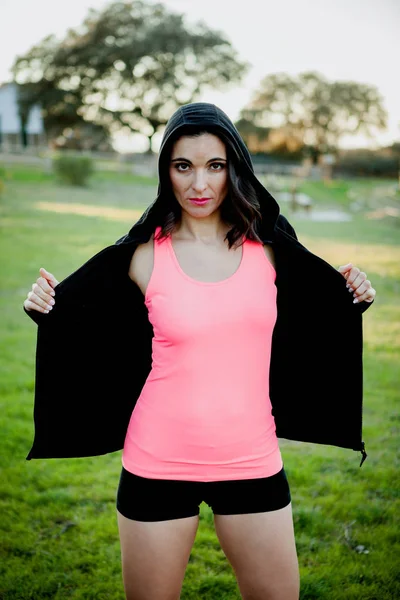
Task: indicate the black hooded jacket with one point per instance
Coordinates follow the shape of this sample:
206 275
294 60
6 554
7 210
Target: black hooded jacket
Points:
93 356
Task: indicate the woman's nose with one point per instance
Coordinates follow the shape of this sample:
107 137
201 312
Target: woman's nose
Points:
200 182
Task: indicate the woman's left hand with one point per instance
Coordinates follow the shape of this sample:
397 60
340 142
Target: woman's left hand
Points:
357 283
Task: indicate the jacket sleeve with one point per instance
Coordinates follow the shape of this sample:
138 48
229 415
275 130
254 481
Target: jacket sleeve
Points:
39 317
35 315
75 287
86 382
284 224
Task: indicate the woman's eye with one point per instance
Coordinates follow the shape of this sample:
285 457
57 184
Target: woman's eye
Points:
184 167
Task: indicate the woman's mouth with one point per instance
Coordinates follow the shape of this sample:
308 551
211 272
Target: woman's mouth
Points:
199 201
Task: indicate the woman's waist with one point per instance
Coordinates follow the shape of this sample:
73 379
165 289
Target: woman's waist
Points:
202 404
203 422
215 443
212 381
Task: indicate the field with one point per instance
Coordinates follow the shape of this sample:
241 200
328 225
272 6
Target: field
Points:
58 530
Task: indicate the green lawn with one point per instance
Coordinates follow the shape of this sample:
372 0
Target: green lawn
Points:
59 535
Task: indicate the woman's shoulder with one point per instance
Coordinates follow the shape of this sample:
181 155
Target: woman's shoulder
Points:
141 264
269 253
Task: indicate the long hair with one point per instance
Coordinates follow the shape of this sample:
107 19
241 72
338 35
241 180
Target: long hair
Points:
240 209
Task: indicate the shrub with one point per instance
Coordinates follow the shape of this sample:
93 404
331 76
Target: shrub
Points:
73 169
367 164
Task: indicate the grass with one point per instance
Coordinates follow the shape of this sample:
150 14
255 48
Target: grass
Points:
59 537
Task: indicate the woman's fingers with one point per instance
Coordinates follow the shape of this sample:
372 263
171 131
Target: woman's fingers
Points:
49 277
357 280
364 286
345 269
357 283
43 288
35 302
41 297
367 296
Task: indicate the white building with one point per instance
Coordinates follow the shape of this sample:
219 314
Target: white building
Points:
13 136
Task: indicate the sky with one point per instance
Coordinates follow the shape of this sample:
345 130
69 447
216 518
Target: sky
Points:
343 40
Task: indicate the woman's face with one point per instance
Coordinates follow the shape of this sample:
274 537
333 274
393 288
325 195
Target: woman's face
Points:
198 174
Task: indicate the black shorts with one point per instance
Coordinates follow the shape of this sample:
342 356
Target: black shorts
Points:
144 499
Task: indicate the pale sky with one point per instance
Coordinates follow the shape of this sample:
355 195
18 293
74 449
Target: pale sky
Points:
356 40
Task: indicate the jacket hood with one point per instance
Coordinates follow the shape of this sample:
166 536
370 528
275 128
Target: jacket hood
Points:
203 115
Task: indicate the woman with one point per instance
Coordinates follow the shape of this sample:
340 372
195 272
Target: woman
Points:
221 338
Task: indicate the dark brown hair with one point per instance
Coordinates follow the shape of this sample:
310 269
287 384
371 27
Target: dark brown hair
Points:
240 208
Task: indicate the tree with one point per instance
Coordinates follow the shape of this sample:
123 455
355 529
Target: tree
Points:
127 67
256 138
319 110
267 140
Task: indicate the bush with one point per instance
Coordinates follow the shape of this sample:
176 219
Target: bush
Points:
73 169
367 165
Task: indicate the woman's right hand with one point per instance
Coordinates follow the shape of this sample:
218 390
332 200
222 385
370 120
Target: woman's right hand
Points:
41 297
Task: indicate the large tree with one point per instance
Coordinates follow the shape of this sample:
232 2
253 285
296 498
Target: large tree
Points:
315 108
127 67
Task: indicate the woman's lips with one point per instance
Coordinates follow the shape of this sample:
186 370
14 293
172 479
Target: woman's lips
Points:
199 201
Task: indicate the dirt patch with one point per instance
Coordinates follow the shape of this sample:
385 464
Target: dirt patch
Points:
87 210
381 213
323 215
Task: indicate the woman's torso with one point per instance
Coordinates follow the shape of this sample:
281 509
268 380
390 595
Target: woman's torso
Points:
141 265
204 412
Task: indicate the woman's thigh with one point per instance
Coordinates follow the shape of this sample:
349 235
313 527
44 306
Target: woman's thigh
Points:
262 551
155 555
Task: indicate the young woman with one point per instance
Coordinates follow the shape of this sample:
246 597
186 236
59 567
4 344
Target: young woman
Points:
192 344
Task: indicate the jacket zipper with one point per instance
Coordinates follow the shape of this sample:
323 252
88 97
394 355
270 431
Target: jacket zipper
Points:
363 453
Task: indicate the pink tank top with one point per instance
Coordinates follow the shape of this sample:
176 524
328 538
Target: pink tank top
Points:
204 412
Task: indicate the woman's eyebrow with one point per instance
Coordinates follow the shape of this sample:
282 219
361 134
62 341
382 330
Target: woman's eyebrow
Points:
188 161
